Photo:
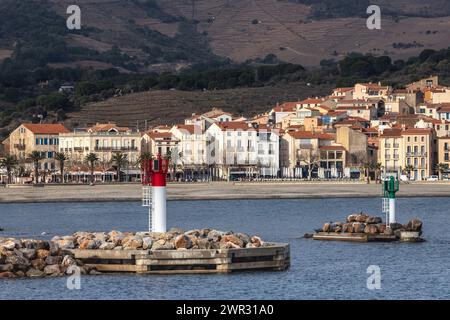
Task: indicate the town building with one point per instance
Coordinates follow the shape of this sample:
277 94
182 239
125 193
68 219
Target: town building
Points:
443 151
191 158
403 148
242 150
366 91
102 139
44 138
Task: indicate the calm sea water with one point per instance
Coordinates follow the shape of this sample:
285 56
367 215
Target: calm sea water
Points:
320 270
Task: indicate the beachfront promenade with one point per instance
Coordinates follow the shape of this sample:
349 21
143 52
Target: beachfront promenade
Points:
216 190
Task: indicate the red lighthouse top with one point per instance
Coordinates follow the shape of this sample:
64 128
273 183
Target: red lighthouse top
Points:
155 171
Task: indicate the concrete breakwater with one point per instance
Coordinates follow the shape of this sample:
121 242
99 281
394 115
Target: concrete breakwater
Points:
40 258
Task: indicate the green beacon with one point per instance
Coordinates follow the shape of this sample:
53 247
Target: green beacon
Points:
390 188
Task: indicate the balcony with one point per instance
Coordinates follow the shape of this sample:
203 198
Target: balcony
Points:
19 146
387 145
115 149
396 145
416 154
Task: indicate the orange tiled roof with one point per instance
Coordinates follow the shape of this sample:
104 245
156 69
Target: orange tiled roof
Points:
187 127
310 135
105 127
42 128
286 107
310 101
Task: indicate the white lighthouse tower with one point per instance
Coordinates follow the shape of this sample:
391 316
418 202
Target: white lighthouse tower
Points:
154 192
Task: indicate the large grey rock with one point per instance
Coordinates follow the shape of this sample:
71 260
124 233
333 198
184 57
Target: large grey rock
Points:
38 264
101 236
6 267
53 260
66 243
29 254
147 243
53 269
132 243
107 246
162 245
215 235
68 261
9 244
204 244
17 259
183 242
89 244
34 273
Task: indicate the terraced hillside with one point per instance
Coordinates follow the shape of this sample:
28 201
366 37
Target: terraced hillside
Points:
170 107
243 29
148 30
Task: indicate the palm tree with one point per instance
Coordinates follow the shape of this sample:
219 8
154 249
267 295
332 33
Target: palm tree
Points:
119 159
377 167
61 158
35 157
441 168
143 159
91 159
9 163
366 167
407 170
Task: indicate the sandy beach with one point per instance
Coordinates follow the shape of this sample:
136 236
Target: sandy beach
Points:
215 191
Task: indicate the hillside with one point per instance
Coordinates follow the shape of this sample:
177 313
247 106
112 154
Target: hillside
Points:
171 107
171 34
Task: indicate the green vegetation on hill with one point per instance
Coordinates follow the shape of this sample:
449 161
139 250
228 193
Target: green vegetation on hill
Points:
98 85
327 9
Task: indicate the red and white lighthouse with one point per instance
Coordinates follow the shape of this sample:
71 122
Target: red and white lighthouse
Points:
154 192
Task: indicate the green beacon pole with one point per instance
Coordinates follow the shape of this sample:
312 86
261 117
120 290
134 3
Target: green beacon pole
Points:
390 188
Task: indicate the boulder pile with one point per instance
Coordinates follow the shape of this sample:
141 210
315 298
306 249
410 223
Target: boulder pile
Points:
40 258
35 258
364 223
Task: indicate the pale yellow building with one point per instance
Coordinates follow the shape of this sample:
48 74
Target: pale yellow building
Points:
401 148
364 91
44 138
443 147
103 140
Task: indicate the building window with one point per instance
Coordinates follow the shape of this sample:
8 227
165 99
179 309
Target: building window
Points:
446 157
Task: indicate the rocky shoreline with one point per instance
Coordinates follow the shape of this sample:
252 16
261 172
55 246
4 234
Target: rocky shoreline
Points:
40 258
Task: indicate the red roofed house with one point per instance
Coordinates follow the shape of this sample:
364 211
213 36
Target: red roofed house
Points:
160 142
29 137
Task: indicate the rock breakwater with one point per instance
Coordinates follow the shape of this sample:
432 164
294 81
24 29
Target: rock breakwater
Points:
41 258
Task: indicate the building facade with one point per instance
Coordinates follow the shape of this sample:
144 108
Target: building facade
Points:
44 138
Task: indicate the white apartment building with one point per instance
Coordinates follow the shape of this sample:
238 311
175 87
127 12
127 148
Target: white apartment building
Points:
239 149
191 147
